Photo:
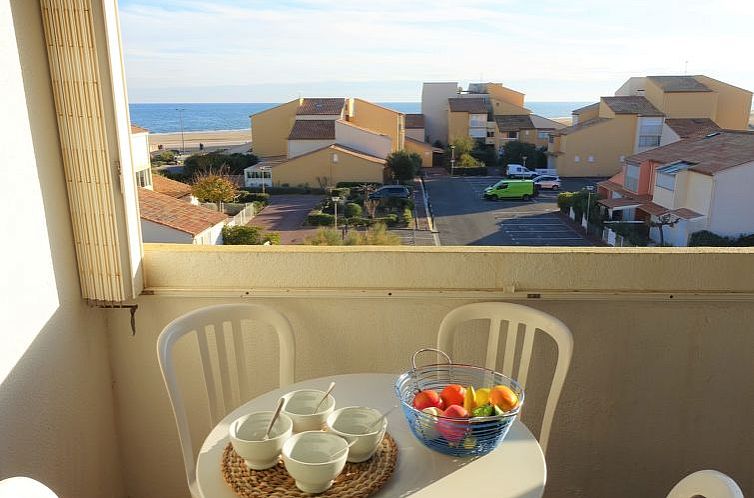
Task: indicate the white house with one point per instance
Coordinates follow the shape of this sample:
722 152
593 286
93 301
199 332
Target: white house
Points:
167 219
702 184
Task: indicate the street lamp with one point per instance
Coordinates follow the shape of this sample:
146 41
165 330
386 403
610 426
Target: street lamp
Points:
524 158
183 142
263 170
589 190
452 158
335 200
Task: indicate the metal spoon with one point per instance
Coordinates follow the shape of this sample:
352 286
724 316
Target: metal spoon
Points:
379 420
274 418
327 393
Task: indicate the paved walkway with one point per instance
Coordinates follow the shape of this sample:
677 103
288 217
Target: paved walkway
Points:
286 214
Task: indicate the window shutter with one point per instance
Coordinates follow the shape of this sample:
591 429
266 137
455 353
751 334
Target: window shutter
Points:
91 125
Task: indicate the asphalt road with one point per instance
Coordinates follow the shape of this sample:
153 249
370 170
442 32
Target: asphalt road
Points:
463 217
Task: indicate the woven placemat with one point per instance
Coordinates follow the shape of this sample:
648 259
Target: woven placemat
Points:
358 480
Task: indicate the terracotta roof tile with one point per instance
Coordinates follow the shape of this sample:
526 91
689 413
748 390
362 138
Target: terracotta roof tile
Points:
632 105
138 129
580 126
710 154
471 105
514 122
619 202
313 129
654 209
686 213
311 107
165 185
414 121
182 216
671 84
625 193
692 127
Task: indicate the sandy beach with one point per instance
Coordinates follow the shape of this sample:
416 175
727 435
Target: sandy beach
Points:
212 140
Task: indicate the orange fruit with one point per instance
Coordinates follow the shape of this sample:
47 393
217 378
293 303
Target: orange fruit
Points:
504 398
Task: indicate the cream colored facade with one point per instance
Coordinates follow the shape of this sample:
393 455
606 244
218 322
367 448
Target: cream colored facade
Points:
83 407
270 129
381 120
608 142
422 148
328 167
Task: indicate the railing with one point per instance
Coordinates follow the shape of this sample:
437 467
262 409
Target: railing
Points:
240 213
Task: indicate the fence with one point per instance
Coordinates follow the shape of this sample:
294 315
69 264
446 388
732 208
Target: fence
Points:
239 213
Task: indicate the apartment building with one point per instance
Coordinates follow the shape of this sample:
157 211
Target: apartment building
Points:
488 112
140 153
320 142
699 183
645 112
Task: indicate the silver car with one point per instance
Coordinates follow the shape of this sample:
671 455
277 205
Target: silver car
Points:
548 182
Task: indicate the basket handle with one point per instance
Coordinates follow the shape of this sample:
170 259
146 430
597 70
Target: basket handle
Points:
424 350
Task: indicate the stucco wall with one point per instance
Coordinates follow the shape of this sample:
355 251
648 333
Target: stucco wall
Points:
423 149
299 147
435 109
416 134
637 394
733 203
606 142
154 232
733 104
380 119
270 129
458 125
313 168
56 406
691 105
696 192
365 141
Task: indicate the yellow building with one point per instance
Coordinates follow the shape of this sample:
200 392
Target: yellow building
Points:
634 120
328 166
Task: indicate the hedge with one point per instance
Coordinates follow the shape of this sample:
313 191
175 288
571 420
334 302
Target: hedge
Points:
480 171
352 210
248 235
318 218
705 238
245 196
286 190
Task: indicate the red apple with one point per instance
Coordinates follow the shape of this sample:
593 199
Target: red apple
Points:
454 430
453 395
427 399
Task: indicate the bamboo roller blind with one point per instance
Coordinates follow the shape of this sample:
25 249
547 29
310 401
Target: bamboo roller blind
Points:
74 70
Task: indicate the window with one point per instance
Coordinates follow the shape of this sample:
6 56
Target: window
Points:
665 181
543 135
590 159
577 159
490 134
632 177
512 134
649 141
143 178
551 139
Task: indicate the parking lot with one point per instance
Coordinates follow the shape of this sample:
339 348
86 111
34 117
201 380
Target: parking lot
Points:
463 217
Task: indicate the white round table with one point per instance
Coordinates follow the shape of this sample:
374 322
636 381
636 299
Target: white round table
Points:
515 469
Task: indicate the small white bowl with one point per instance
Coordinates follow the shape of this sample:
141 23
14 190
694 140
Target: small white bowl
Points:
314 459
247 437
299 406
357 423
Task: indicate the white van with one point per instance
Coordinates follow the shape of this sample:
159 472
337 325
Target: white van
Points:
519 171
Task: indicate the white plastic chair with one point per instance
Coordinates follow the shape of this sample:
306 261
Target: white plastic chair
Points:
706 483
219 318
516 315
24 487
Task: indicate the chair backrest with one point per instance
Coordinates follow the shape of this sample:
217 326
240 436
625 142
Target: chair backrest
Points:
24 487
221 396
706 483
517 316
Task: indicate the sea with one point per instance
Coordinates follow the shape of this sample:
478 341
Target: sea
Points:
166 118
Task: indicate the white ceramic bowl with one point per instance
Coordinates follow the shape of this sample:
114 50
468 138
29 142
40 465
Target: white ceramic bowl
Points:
357 423
247 437
299 406
314 459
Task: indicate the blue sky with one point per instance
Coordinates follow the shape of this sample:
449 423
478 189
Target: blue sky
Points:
552 50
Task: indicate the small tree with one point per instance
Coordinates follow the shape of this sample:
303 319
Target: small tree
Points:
467 161
403 167
664 220
463 145
514 152
213 187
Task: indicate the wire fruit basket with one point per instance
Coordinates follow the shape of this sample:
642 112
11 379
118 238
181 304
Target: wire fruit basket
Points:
460 437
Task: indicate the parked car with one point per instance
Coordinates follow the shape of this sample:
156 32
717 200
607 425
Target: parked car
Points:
398 191
511 189
520 171
548 182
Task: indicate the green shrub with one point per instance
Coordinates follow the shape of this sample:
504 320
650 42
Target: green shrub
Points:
324 237
352 210
248 235
164 157
357 221
705 238
245 196
407 217
318 218
342 192
215 161
565 201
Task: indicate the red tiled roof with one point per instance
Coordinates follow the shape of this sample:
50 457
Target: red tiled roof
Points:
321 107
710 154
414 121
632 105
654 209
514 122
170 187
471 105
672 84
686 213
313 129
620 189
138 129
619 202
182 216
692 127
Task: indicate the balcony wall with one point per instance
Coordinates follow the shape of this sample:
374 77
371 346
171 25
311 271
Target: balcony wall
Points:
660 383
